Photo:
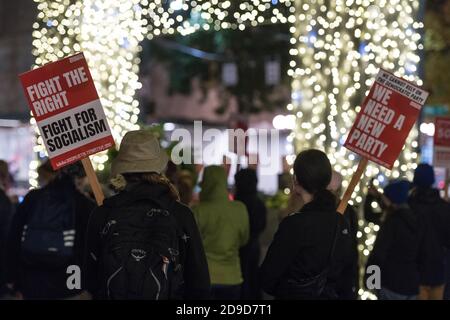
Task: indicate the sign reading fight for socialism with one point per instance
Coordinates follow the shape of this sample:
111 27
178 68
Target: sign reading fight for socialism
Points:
386 117
442 142
67 110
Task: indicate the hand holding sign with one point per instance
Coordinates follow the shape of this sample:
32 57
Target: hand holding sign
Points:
68 113
380 130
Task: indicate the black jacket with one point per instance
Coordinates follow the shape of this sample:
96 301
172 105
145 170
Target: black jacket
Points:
348 281
301 248
41 283
401 250
428 204
6 213
250 253
196 274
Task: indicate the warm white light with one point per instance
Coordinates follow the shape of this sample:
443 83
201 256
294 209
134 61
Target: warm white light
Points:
427 128
176 5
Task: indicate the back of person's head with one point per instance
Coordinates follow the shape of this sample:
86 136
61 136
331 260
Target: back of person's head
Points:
214 183
46 174
74 170
246 181
140 159
397 191
312 171
424 176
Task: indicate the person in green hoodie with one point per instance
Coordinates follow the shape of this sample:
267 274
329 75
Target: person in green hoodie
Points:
224 228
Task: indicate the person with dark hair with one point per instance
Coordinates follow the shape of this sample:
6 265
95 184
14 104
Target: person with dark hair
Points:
311 245
426 202
246 192
47 235
142 243
45 173
224 228
401 249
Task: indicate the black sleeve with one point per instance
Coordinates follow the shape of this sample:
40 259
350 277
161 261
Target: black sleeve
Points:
90 273
280 254
429 249
14 238
84 207
444 219
261 222
196 274
6 211
344 271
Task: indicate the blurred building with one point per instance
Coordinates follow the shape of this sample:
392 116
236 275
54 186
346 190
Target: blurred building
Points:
16 26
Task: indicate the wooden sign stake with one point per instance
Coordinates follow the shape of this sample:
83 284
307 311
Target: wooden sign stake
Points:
93 181
355 179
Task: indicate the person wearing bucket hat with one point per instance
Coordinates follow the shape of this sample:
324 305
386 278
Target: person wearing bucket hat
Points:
427 203
139 152
151 228
402 246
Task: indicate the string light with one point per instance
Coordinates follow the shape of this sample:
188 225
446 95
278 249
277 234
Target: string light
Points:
338 48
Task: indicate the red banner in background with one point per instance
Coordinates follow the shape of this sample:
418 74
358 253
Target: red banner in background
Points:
67 109
442 142
386 117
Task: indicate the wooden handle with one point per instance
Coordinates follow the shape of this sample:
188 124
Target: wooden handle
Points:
355 180
93 181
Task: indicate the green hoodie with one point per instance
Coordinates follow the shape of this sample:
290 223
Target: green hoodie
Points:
223 225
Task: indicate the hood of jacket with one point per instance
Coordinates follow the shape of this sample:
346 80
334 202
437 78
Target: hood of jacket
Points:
61 188
214 184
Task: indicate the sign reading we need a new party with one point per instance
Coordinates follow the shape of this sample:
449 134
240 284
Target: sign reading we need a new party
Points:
386 117
67 109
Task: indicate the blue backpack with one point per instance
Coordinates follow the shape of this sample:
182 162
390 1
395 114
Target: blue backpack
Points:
48 236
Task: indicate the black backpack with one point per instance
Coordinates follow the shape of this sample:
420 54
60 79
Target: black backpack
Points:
48 236
140 255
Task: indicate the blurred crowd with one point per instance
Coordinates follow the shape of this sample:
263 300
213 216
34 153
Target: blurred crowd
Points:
161 234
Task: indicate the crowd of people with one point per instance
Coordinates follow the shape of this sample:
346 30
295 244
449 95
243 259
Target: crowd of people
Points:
151 239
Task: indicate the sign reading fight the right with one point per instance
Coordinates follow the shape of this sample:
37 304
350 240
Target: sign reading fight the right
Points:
386 117
67 109
442 142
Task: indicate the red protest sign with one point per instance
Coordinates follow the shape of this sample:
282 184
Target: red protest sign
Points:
442 142
67 109
386 117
